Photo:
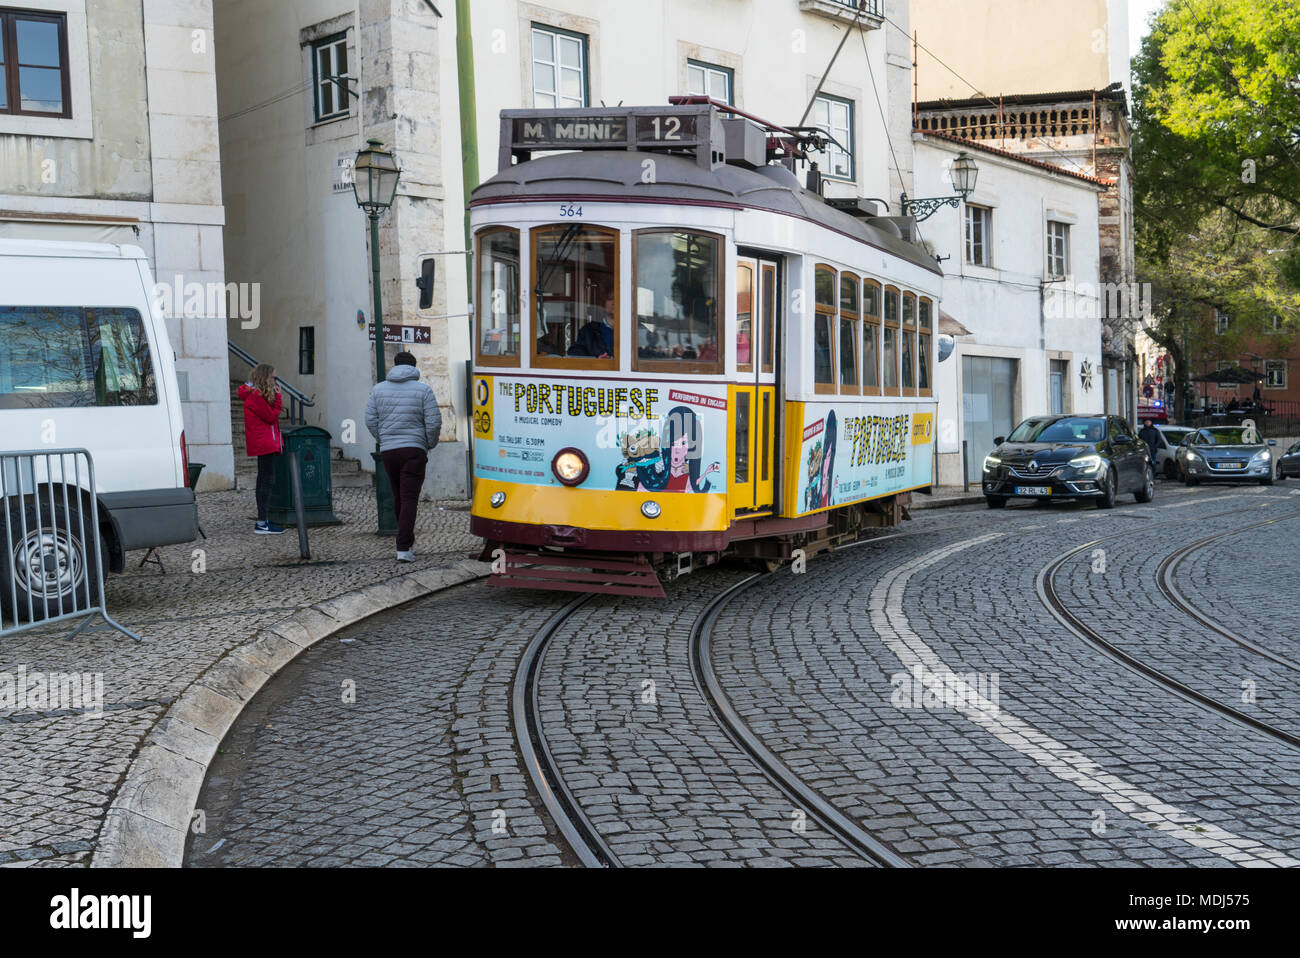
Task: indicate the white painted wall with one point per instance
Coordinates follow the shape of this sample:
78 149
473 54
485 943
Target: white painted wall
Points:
1005 306
141 144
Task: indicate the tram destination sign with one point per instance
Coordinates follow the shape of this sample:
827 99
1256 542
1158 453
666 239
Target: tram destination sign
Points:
555 132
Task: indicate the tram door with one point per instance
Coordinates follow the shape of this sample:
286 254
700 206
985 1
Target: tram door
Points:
754 442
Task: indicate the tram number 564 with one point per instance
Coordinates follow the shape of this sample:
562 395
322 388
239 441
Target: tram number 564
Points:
570 210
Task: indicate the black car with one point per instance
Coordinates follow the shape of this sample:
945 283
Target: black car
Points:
1069 457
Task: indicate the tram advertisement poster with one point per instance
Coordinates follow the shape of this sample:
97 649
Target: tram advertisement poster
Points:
859 452
637 436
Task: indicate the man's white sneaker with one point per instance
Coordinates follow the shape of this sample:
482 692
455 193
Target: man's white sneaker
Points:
406 557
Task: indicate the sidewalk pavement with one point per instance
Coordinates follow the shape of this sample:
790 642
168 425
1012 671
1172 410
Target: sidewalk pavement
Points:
229 612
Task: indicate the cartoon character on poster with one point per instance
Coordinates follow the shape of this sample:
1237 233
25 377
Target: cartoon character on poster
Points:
827 483
813 496
678 468
640 452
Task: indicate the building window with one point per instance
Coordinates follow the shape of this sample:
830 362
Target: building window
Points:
835 117
1058 250
559 68
1221 322
34 77
1275 325
1275 374
705 79
306 350
330 66
978 220
1226 364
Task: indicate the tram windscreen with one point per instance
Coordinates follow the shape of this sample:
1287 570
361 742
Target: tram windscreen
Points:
677 299
574 272
498 293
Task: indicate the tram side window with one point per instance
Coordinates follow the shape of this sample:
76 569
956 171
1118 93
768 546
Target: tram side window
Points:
871 339
744 317
889 340
678 286
924 347
823 331
575 296
909 344
498 297
850 317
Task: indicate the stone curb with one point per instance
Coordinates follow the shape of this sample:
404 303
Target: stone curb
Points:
946 502
147 823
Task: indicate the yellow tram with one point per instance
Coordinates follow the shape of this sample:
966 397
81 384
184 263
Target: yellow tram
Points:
682 352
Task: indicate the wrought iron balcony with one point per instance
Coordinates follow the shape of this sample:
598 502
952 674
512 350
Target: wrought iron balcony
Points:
868 13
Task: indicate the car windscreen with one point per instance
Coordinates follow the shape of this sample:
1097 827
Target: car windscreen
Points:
1175 436
1059 430
1229 436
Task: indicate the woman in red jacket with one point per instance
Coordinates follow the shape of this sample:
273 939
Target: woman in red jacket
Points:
262 402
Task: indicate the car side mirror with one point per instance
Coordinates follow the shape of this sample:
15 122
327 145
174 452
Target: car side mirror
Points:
999 440
428 272
1272 442
1123 440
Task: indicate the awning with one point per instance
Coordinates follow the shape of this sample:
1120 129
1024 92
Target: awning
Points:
949 326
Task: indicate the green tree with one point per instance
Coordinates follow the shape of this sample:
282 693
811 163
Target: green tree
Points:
1217 117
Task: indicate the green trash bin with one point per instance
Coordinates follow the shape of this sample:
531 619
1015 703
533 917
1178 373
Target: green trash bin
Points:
311 444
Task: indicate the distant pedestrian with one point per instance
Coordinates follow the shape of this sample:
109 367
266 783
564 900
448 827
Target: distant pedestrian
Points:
402 414
1151 436
262 437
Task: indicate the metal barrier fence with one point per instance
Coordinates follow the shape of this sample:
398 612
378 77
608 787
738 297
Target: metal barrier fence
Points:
52 568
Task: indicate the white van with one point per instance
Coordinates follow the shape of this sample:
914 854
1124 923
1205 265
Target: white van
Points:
86 364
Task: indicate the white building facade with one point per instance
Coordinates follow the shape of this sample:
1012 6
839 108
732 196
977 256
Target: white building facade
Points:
283 124
108 133
1021 264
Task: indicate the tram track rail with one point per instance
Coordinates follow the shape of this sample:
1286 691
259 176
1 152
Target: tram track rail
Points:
807 799
1168 570
560 803
1045 585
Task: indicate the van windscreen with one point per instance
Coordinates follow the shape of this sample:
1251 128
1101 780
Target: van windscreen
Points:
68 356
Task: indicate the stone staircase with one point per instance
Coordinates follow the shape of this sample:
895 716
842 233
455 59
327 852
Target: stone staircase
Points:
344 473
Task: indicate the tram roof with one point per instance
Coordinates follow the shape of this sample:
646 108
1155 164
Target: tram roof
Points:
616 176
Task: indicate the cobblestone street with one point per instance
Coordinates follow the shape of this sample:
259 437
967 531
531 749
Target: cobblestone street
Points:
920 685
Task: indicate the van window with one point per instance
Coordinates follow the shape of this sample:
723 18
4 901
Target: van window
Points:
68 356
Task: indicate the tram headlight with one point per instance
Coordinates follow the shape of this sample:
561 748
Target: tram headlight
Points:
498 500
650 509
570 466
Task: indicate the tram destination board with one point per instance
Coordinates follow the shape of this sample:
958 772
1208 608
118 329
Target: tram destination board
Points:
591 132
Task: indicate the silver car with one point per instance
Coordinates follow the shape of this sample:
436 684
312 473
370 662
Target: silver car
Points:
1226 454
1288 464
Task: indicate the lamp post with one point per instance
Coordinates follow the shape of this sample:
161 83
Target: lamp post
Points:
963 175
374 184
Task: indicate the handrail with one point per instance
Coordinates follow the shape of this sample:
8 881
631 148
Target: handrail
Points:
297 399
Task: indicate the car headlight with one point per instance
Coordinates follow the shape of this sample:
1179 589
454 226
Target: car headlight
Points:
1261 456
1195 456
991 463
570 466
1087 463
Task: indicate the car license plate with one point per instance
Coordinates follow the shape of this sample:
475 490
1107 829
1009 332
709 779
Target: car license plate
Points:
1033 490
1232 465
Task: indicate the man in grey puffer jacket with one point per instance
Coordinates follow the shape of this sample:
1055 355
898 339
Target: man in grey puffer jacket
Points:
402 414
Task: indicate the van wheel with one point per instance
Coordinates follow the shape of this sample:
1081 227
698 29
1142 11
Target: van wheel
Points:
54 571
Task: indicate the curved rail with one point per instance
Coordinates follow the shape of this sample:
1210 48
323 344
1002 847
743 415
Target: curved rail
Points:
563 808
1165 580
1047 594
777 772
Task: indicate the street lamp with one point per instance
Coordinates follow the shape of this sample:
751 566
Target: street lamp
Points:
374 183
963 175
